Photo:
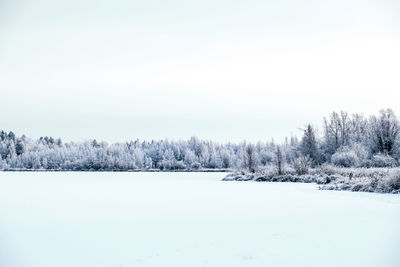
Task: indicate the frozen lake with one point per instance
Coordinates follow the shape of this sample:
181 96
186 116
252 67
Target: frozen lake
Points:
190 219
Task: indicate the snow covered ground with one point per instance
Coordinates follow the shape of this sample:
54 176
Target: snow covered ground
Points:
190 219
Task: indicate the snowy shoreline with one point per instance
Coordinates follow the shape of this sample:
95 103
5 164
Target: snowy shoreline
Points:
374 180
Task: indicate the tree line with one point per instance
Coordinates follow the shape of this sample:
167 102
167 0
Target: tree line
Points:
346 140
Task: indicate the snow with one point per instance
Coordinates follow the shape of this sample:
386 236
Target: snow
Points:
57 219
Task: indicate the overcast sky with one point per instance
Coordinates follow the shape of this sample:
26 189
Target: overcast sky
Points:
223 69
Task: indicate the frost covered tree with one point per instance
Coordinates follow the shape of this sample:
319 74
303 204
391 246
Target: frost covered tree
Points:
279 160
189 158
337 131
384 132
302 164
250 159
309 145
226 158
358 128
348 141
19 147
11 149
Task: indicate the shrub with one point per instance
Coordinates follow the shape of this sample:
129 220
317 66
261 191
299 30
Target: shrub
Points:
325 169
381 160
346 158
302 165
196 165
393 180
357 187
362 154
268 170
172 165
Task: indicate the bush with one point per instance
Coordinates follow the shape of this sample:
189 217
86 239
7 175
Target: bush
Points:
362 154
302 165
393 180
358 187
325 168
196 165
345 158
268 170
381 160
172 165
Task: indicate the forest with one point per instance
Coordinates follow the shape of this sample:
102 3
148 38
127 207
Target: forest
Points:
345 140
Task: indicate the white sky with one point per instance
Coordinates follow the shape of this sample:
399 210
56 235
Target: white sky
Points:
221 70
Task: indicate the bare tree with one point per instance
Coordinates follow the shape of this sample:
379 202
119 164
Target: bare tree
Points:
359 128
250 158
384 132
337 130
279 160
302 164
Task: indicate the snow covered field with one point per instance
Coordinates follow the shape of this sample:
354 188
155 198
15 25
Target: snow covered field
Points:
190 219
